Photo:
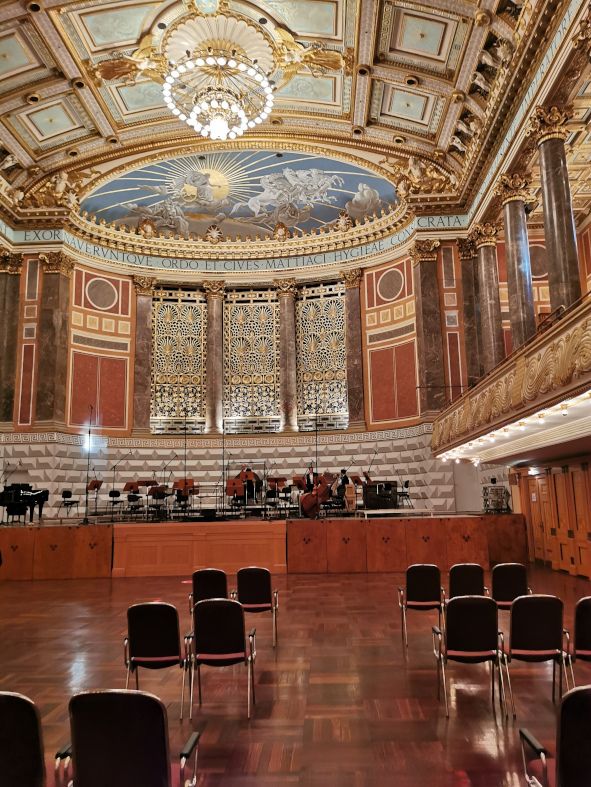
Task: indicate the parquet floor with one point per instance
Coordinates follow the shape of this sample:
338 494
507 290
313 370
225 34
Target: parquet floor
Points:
337 703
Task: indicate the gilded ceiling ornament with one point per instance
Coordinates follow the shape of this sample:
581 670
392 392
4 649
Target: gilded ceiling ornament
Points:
514 187
482 18
11 263
147 227
60 191
466 248
352 278
293 56
424 251
57 262
281 232
419 177
214 288
213 234
144 285
285 286
582 40
484 234
144 62
9 160
343 222
549 123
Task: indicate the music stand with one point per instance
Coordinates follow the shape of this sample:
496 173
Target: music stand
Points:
148 483
94 486
235 488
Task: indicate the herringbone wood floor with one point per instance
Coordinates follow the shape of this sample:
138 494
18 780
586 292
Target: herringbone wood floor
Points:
337 703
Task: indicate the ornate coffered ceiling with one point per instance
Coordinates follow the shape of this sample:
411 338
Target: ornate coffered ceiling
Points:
419 90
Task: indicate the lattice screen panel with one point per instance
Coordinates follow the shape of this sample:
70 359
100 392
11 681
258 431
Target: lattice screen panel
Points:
251 361
179 325
321 358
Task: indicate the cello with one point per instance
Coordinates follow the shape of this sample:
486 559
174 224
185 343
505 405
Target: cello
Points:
310 502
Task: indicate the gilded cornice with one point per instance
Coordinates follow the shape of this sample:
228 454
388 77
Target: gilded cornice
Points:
424 251
11 263
514 187
466 248
549 123
57 262
352 278
144 285
484 235
214 288
285 287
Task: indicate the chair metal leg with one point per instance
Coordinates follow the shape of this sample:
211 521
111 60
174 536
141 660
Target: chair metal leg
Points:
492 683
199 681
438 680
553 680
506 662
443 681
274 611
502 695
183 690
248 689
137 678
572 673
404 629
560 670
127 677
191 687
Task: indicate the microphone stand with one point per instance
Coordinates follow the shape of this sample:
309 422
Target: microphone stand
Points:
164 481
114 469
86 520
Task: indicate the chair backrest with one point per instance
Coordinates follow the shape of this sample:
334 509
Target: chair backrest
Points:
66 494
582 632
406 485
471 625
466 579
536 623
509 580
153 630
114 493
21 743
254 585
209 583
218 630
423 582
119 738
573 752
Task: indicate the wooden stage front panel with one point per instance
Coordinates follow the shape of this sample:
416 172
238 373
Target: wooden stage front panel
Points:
164 549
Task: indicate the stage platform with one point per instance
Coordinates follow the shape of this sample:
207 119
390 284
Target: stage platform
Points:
331 545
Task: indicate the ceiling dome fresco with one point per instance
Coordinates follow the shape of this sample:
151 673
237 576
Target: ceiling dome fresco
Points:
247 193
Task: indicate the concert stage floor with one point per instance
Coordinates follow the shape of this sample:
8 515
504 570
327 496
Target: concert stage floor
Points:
335 545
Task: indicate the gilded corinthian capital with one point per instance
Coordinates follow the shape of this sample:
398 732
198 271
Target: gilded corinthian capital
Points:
285 286
57 262
549 123
484 235
214 288
466 248
352 278
514 187
11 263
424 251
144 285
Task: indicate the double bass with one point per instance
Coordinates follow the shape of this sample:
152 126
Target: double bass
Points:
310 502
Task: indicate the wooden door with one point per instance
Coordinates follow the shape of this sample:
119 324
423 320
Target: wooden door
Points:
565 521
581 485
545 494
537 519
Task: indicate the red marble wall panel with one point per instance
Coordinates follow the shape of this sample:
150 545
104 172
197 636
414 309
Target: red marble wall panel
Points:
449 274
104 294
84 387
112 392
406 380
27 355
25 406
383 384
584 246
101 382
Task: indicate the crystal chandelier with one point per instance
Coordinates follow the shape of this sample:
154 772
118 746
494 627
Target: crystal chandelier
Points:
219 93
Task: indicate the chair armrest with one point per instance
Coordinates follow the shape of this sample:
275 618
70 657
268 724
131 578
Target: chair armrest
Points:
486 591
534 744
436 631
529 591
190 603
276 599
566 635
442 591
62 758
126 651
437 642
190 746
400 597
234 595
252 644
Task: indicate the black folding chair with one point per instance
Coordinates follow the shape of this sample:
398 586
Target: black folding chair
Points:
422 593
21 743
471 637
572 766
255 593
218 639
120 739
67 502
580 646
208 583
153 641
466 579
536 635
509 581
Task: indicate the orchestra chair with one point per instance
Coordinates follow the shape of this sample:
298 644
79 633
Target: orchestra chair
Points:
255 592
572 765
21 744
471 637
536 635
465 579
158 505
114 500
422 593
153 641
67 502
120 739
580 645
219 639
509 581
208 583
135 504
404 496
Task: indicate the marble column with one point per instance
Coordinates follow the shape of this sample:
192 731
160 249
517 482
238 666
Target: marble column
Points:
54 315
286 292
10 270
142 368
513 191
355 390
549 128
471 310
484 237
432 391
214 374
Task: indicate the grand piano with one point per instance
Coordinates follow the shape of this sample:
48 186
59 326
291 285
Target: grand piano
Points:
17 498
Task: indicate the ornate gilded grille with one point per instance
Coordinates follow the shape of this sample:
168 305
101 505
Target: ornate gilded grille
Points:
251 361
179 323
321 358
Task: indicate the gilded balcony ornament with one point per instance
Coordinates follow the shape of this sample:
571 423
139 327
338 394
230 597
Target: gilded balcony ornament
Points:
343 222
57 262
285 286
281 232
214 288
144 285
352 278
484 235
514 187
549 123
11 263
466 248
213 234
424 251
